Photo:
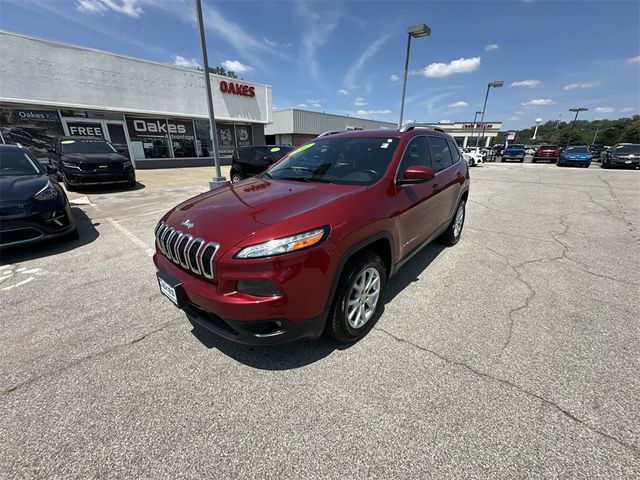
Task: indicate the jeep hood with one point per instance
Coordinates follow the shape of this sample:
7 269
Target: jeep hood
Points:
230 214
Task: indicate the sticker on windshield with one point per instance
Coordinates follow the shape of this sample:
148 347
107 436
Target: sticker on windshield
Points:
389 140
64 142
302 148
275 149
384 145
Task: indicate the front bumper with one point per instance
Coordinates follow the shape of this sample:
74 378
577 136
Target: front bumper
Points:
76 177
269 331
36 226
624 162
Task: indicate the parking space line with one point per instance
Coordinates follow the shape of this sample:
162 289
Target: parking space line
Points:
139 206
18 284
131 236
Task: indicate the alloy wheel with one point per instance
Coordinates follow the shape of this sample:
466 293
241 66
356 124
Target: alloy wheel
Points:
363 298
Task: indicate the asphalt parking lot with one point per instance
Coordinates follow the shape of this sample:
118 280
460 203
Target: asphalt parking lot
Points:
514 354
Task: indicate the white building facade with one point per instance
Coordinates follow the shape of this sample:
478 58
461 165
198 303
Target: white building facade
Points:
154 113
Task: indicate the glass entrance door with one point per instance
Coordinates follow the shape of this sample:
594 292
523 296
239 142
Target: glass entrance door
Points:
118 138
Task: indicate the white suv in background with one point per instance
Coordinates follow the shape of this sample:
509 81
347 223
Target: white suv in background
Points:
474 156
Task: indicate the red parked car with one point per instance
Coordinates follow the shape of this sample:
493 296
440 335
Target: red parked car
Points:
547 152
309 245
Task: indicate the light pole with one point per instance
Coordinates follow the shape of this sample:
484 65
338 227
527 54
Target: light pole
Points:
416 31
473 128
535 132
573 125
218 180
496 84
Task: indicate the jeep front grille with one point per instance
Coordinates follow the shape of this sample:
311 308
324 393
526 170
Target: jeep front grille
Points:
190 253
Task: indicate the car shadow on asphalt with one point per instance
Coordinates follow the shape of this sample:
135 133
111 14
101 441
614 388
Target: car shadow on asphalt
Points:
305 352
108 188
21 253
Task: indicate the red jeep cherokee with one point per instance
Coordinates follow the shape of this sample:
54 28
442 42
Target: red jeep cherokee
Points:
309 245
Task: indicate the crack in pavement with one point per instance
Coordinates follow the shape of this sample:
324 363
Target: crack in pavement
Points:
498 232
635 451
629 224
80 360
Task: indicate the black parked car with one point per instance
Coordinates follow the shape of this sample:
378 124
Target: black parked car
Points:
622 155
250 161
33 206
596 150
80 161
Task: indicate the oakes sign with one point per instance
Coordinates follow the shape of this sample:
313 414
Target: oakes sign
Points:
238 89
157 126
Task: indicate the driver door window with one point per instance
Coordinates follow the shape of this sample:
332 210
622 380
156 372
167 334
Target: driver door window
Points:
416 154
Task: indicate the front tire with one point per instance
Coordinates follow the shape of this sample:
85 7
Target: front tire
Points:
452 235
358 299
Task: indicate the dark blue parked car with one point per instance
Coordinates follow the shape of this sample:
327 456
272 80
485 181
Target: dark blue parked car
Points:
514 152
580 155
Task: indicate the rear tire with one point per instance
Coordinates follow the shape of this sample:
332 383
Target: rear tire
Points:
452 235
358 299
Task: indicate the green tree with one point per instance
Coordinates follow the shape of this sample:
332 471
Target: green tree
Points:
221 71
631 133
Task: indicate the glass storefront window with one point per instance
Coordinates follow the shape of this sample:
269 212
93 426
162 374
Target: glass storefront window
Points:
182 137
35 128
244 135
226 139
203 142
149 137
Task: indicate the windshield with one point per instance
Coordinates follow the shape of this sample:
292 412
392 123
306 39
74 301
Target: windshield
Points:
548 147
353 161
627 150
516 146
17 162
87 146
578 150
279 152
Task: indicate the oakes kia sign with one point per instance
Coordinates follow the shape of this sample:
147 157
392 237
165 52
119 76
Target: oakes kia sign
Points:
237 89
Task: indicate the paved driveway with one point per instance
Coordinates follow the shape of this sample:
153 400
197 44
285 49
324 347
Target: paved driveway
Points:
514 354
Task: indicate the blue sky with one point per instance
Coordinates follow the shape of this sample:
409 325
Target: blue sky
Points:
347 57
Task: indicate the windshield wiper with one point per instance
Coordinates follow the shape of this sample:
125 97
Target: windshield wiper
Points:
297 179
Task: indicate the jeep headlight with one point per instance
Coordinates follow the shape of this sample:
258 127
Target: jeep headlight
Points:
70 164
48 192
279 246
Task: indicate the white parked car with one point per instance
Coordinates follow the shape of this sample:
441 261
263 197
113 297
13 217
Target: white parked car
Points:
474 156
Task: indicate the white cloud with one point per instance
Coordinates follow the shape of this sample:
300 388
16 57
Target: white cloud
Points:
526 83
605 110
370 112
360 102
634 59
342 91
317 105
459 104
271 43
126 7
371 50
313 101
627 109
302 105
394 78
539 101
236 66
462 65
573 86
179 61
287 44
317 28
492 46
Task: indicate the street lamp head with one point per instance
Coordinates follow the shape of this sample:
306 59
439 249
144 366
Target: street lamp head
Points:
581 109
479 112
421 30
496 84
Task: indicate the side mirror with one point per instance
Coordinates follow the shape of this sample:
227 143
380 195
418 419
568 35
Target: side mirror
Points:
50 169
51 150
416 174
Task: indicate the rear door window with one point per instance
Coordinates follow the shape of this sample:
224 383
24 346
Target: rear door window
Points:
440 153
455 151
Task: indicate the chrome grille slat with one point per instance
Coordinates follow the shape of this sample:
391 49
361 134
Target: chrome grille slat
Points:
194 254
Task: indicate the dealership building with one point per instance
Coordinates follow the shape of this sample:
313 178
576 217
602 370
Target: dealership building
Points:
466 133
153 113
296 127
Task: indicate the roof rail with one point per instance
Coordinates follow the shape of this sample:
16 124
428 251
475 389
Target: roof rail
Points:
331 132
426 126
